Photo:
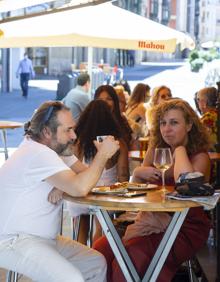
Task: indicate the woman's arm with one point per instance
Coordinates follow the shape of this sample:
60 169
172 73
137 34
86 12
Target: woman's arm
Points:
182 163
122 163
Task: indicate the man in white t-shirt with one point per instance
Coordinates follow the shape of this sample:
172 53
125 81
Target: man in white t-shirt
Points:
29 206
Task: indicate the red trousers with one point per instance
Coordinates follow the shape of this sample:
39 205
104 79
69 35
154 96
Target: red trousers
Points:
192 236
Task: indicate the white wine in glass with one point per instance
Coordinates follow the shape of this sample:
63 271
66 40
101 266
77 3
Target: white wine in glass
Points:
163 160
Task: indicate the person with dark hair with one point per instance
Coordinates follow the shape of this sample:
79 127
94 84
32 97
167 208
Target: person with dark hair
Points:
109 95
206 101
30 205
78 98
26 72
97 120
136 109
175 125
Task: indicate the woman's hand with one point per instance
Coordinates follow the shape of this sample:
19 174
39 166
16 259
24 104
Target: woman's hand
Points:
149 173
55 196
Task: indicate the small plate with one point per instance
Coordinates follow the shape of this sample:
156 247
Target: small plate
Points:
141 186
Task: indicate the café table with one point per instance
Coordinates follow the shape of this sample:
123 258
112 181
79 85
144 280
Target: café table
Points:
4 125
139 156
154 201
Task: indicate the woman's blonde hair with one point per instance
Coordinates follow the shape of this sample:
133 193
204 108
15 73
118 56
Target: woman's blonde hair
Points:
198 139
155 94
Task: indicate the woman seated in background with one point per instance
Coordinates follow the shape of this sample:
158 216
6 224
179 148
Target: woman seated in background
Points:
206 101
175 125
97 120
136 109
108 94
159 94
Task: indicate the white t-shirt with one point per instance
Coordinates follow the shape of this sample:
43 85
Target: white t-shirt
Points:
24 207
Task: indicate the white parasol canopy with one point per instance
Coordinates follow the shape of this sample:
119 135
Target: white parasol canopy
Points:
104 26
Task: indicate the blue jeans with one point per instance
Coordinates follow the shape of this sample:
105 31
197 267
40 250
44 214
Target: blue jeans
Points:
45 260
24 78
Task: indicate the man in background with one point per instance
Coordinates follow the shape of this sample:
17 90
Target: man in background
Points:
78 98
26 71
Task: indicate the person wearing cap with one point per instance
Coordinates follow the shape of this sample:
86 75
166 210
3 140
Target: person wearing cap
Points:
78 98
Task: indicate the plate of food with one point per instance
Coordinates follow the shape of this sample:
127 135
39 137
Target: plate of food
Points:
141 186
117 188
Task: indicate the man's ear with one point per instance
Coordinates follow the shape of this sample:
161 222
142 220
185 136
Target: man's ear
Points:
46 133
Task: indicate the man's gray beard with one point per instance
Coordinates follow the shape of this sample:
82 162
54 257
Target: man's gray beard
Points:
68 151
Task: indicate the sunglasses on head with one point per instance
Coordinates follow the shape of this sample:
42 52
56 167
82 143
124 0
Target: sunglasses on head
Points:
49 112
164 96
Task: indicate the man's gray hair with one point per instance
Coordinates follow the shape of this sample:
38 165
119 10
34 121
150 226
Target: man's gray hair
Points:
44 116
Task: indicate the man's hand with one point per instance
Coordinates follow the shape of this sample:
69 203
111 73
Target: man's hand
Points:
108 147
55 196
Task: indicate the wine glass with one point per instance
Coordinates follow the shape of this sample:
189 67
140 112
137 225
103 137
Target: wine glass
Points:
163 161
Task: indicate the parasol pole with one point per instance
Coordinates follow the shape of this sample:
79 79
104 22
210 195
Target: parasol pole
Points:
218 118
217 146
217 185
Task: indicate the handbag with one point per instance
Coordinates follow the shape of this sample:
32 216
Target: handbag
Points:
193 184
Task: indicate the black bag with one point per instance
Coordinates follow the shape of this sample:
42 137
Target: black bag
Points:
192 184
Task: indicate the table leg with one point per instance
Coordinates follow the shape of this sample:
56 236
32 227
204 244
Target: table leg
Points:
4 139
118 248
165 246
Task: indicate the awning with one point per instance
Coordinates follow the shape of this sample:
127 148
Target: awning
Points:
104 26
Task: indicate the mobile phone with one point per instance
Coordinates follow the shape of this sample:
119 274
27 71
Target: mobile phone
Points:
101 138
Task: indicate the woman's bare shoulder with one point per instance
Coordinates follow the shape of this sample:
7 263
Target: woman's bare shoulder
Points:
200 156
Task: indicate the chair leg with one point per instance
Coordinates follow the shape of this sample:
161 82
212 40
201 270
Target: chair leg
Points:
91 225
12 276
61 221
76 225
191 273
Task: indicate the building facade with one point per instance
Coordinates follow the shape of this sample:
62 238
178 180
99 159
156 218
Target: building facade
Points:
209 21
56 61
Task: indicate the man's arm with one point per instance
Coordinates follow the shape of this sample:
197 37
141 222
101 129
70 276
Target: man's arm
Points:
80 184
55 194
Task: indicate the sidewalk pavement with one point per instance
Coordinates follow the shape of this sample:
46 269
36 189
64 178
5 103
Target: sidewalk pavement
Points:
14 107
